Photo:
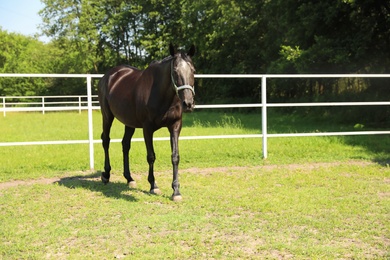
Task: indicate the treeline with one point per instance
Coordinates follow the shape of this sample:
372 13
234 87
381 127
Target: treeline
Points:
25 54
246 36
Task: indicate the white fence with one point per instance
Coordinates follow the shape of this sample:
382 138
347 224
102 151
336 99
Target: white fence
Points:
46 103
89 105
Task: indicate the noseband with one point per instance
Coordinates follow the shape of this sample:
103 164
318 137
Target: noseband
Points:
176 88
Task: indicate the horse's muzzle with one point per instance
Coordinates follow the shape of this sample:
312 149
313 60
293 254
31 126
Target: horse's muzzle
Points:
188 106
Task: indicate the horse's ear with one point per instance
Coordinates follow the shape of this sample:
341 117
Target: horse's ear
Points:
172 49
191 52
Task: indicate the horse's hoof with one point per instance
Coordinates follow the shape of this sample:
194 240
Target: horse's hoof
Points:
156 191
132 184
177 198
105 180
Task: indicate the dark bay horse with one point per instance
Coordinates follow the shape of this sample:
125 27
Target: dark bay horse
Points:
149 99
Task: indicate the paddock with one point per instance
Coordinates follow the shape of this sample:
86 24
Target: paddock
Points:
296 211
263 105
313 197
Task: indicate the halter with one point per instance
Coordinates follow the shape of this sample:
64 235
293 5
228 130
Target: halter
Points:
175 87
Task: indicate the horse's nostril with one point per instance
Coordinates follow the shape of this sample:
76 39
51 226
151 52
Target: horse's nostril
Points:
187 105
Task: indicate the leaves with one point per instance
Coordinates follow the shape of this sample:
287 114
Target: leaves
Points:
234 36
248 36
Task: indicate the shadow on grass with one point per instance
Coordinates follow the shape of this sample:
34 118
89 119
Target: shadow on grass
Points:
93 183
378 145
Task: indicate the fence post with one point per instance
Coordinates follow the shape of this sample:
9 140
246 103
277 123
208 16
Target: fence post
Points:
4 106
79 104
90 125
264 115
43 105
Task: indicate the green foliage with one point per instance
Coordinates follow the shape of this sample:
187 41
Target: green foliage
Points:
23 54
248 36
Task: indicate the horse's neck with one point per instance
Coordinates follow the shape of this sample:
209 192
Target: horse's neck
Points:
166 104
164 76
162 82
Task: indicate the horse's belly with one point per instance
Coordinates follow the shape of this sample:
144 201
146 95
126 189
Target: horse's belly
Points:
126 114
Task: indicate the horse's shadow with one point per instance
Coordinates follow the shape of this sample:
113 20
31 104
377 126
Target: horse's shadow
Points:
93 183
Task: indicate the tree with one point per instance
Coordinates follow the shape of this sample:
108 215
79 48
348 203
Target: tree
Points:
328 37
248 36
73 25
22 54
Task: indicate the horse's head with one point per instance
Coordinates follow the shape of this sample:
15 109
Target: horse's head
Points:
182 74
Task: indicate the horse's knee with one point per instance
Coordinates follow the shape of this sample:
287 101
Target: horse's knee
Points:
105 140
175 159
125 145
151 158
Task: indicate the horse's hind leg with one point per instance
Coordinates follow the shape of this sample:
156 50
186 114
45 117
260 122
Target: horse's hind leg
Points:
126 144
107 122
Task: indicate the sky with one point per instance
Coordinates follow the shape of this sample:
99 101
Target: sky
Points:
20 16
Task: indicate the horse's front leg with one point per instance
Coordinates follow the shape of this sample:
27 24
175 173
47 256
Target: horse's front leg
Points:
150 157
174 133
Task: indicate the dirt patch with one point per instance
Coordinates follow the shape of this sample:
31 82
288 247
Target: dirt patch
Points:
202 171
77 175
310 166
10 184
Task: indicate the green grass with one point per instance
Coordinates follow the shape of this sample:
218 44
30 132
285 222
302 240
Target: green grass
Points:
28 162
314 198
308 211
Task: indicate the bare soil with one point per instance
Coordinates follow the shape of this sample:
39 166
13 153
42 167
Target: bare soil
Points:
203 171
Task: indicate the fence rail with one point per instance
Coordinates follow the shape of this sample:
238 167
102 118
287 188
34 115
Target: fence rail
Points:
46 103
90 104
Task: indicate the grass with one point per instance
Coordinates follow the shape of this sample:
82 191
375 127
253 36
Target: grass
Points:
47 161
314 198
314 211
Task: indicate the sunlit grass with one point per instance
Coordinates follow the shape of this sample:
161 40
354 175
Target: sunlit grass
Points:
307 211
24 162
313 198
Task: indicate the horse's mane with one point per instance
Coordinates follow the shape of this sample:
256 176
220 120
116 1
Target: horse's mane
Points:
169 58
183 55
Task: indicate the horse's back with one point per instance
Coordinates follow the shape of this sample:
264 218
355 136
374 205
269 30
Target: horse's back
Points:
119 74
